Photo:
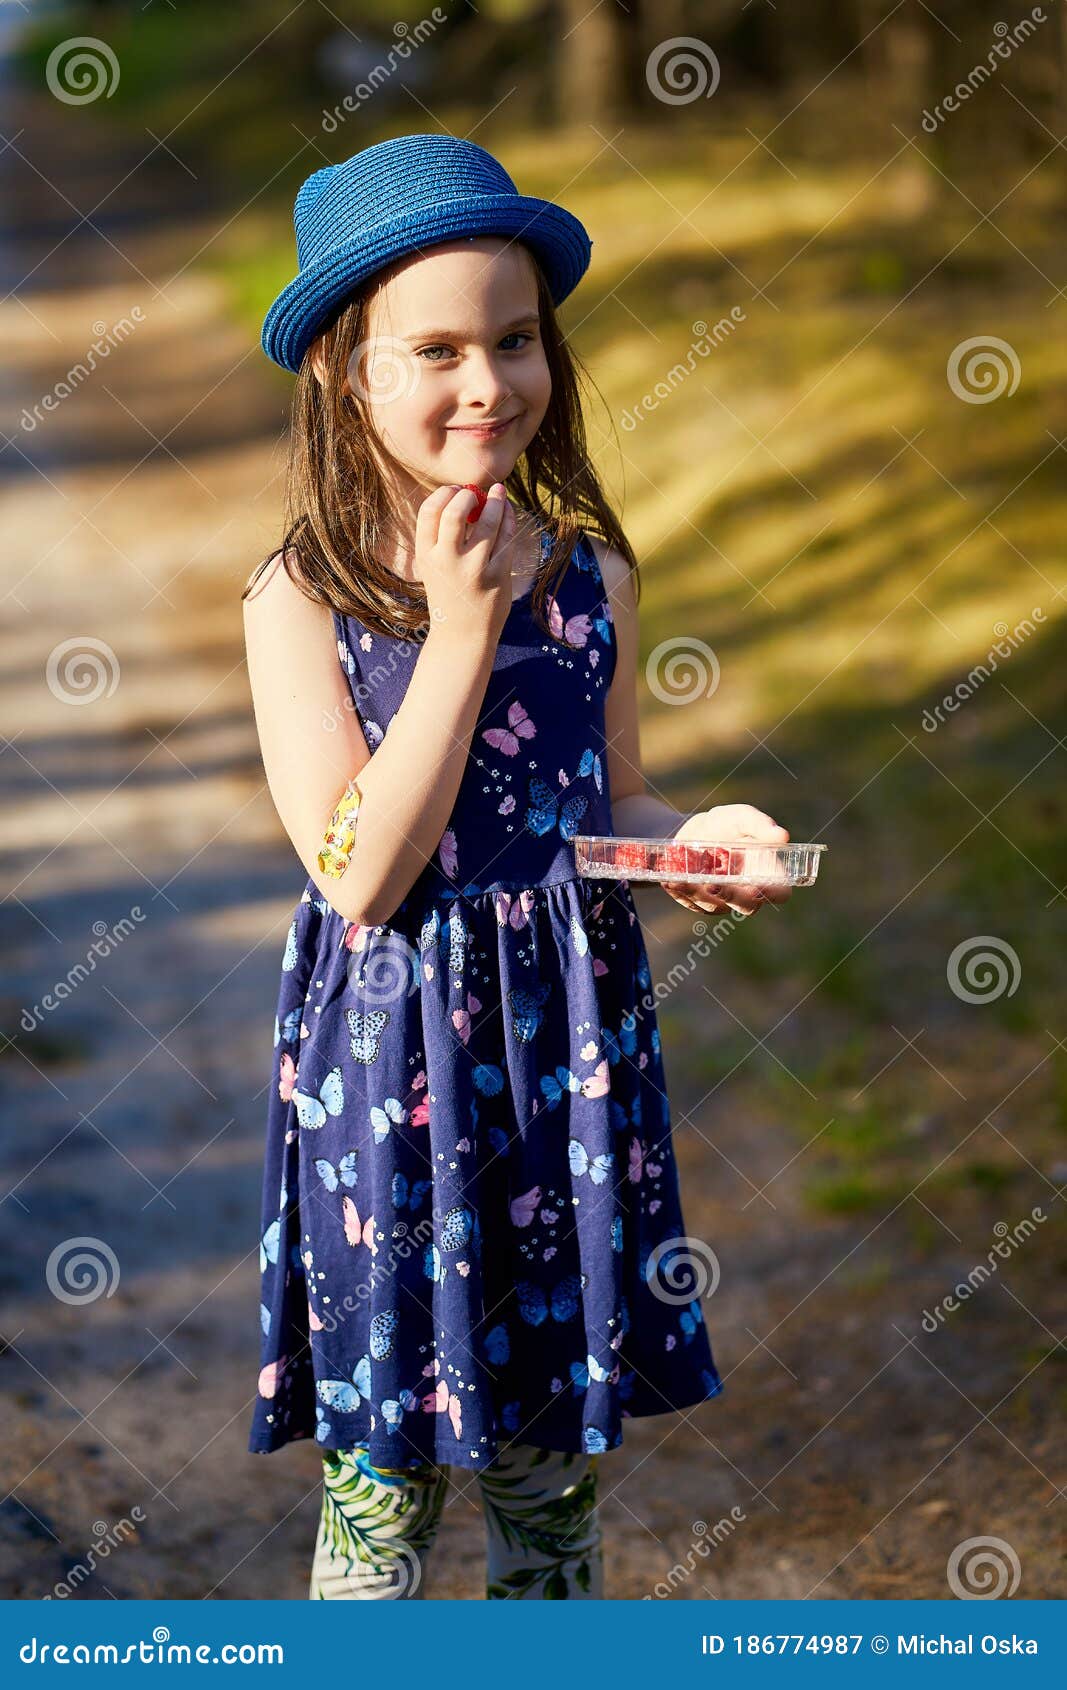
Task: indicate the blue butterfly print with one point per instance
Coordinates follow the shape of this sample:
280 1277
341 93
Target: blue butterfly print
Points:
498 1345
289 1029
582 1373
644 978
393 1114
343 1174
603 627
268 1248
456 1228
624 1043
323 1430
382 1333
689 1320
433 1265
488 1078
563 1304
311 1110
616 1233
526 1007
291 951
544 811
392 1413
454 932
412 1196
591 764
366 1028
264 1317
597 1167
580 936
345 1397
554 1085
595 1441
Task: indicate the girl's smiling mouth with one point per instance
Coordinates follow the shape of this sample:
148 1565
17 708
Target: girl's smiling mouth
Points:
483 431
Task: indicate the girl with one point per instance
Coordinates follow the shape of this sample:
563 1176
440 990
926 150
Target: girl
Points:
473 1252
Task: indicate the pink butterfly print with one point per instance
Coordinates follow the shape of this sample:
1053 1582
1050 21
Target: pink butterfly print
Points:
594 659
507 739
286 1077
463 1144
636 1160
463 1269
461 1018
515 911
442 1401
356 936
357 1231
671 1341
366 641
271 1377
447 853
524 1208
597 1084
507 806
574 632
420 1115
546 1255
599 967
314 1322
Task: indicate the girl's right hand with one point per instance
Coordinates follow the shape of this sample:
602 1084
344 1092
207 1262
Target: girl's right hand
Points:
466 568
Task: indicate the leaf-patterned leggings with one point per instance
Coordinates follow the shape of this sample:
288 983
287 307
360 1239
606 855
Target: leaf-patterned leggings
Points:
379 1524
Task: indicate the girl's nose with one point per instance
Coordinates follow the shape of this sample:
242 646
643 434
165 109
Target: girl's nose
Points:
483 384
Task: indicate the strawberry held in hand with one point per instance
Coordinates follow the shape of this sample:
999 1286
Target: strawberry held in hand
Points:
480 494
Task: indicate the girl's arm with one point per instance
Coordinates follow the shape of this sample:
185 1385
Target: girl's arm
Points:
312 743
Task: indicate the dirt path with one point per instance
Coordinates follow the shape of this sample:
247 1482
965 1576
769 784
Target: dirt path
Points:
135 508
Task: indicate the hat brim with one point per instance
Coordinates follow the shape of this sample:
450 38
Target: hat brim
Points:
557 238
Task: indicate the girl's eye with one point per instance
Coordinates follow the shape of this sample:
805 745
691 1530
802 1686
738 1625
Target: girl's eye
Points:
516 334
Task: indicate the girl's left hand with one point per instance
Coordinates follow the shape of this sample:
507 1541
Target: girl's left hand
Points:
728 822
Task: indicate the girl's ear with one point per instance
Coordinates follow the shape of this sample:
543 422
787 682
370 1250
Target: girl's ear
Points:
318 360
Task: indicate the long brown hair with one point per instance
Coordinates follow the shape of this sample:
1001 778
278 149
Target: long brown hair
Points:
337 506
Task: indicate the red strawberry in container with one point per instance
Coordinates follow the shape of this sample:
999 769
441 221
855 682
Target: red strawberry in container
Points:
481 495
710 859
675 857
630 854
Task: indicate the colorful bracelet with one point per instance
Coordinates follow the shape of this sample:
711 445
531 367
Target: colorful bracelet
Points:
340 836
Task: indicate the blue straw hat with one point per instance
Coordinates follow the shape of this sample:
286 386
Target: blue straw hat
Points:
394 198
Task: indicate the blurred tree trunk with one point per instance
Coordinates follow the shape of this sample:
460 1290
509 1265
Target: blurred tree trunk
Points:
600 62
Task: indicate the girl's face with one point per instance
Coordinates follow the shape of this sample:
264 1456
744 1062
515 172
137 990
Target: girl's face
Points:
453 369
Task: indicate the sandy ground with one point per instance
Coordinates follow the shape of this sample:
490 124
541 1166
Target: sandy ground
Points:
135 1108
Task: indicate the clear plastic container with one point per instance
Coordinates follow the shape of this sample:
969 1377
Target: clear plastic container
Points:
697 862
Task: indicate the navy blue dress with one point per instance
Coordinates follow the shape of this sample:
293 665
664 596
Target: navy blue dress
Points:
471 1226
